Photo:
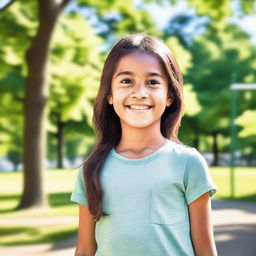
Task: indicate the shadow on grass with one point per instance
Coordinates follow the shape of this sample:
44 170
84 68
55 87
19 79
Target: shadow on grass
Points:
8 231
9 197
5 199
55 200
59 199
34 236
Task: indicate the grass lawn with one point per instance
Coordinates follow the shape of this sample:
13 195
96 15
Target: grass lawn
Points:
27 226
245 183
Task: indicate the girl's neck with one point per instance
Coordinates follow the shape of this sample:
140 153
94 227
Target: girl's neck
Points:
139 142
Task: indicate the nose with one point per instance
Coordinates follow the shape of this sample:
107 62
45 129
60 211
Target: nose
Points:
139 91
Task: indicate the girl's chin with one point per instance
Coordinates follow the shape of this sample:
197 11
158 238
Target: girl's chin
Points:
139 124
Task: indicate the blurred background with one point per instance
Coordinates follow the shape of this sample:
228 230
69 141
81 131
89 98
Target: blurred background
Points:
51 57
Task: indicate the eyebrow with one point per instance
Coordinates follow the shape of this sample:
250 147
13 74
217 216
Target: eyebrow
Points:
131 73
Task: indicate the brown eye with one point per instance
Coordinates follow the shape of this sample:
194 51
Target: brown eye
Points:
152 82
126 81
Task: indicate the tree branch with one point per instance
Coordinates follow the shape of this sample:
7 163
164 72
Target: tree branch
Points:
64 3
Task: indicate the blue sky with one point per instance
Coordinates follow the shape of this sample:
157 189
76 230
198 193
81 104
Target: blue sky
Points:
3 3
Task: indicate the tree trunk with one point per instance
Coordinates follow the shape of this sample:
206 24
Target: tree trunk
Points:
215 149
60 142
36 95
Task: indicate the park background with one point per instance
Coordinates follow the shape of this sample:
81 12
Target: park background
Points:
51 56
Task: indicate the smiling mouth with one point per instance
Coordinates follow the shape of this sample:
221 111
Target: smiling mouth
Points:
139 107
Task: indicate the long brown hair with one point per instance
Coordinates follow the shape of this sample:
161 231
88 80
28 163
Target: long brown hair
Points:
107 123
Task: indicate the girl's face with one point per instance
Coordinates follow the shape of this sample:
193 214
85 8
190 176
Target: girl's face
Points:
139 90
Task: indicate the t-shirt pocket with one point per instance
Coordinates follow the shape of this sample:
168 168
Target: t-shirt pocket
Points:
167 206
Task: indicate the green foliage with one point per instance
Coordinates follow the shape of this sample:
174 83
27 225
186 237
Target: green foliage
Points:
216 55
103 6
218 10
247 121
15 157
74 68
184 59
78 146
183 56
134 21
192 106
248 6
19 18
75 64
79 140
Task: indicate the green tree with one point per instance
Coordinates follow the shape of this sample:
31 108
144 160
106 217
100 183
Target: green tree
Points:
35 101
247 121
216 56
192 106
12 76
75 62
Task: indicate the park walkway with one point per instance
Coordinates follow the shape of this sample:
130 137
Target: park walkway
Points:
234 229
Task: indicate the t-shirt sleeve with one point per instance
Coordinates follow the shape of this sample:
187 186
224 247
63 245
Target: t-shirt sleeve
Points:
79 192
197 178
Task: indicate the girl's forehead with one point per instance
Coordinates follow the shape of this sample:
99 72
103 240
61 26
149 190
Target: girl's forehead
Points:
139 60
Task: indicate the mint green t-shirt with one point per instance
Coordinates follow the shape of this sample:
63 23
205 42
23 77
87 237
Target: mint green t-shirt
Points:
147 200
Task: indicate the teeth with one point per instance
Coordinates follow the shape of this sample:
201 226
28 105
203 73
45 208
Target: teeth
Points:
139 107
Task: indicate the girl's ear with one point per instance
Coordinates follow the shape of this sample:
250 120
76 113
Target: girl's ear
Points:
169 100
110 99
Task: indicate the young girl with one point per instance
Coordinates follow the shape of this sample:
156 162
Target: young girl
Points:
141 191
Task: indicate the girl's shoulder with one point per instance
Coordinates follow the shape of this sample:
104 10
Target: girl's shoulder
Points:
182 148
188 153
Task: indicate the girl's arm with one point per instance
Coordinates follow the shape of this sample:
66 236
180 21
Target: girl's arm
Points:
201 226
86 243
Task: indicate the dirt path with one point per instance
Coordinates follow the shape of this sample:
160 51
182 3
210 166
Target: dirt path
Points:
234 228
